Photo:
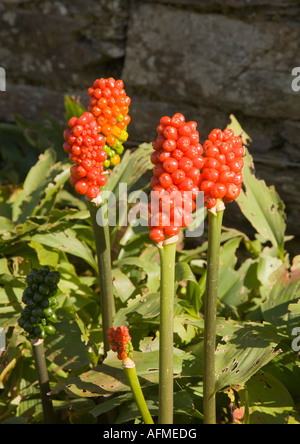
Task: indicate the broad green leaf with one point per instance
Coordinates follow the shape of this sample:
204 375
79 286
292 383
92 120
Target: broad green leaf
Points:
131 168
109 377
147 306
269 401
259 203
60 176
282 289
183 272
241 355
73 108
123 286
6 225
151 270
46 255
34 186
66 241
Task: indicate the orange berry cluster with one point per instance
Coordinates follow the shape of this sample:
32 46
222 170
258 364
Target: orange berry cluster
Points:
177 160
222 171
85 146
120 341
109 104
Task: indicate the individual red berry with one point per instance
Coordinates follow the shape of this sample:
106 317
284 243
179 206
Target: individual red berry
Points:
160 220
172 231
233 191
171 132
154 158
177 120
81 186
92 192
165 180
186 185
210 174
157 235
185 131
218 190
236 165
163 155
169 144
178 176
177 154
194 174
158 170
170 165
183 143
198 162
185 164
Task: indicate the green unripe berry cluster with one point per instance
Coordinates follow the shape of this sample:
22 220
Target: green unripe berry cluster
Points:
38 316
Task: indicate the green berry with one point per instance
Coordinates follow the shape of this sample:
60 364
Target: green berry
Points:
53 302
48 312
50 329
52 318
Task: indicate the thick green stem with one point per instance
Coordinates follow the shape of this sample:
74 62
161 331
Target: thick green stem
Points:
210 313
41 367
102 241
133 381
167 284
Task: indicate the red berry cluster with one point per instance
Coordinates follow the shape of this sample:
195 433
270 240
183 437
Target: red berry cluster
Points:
85 148
120 341
177 160
109 104
222 171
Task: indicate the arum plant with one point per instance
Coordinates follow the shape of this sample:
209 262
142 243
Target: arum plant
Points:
37 319
177 160
221 183
94 142
120 342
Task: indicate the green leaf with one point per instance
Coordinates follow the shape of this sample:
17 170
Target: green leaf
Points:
263 207
131 168
269 401
73 108
147 306
66 241
46 255
109 377
261 204
281 290
183 272
244 353
123 286
34 186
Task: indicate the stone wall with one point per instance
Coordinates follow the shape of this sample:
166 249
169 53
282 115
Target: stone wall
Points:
204 58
